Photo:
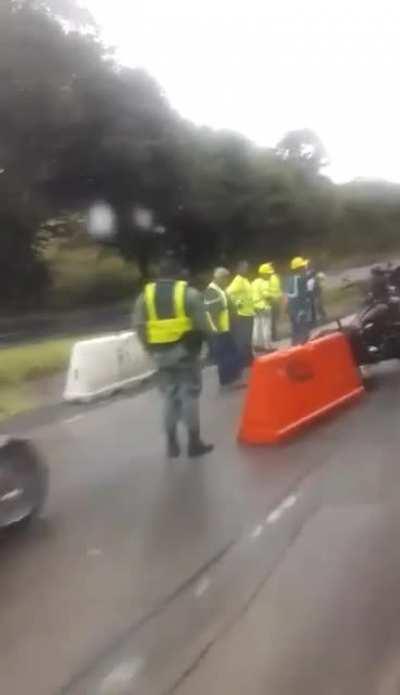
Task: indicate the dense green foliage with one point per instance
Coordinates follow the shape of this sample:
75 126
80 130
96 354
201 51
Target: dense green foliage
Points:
76 128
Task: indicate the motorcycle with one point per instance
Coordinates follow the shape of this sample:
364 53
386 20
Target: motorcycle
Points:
374 333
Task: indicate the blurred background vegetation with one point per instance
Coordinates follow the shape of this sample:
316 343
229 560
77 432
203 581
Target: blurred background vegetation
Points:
77 129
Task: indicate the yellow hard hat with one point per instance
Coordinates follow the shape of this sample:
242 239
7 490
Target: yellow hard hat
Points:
297 263
265 269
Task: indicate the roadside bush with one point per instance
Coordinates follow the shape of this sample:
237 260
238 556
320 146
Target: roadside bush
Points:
84 277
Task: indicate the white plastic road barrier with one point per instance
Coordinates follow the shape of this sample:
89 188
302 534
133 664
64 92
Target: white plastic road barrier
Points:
101 366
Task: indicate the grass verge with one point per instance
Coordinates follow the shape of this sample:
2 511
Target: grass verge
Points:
33 361
14 400
19 366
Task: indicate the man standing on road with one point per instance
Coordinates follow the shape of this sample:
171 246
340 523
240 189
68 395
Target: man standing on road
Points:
171 323
298 301
262 307
223 346
240 292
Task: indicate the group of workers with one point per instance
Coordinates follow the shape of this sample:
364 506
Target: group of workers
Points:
250 313
236 316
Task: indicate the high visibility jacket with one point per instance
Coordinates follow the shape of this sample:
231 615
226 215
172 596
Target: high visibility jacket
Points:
296 286
275 290
261 294
216 303
241 294
297 294
292 286
167 321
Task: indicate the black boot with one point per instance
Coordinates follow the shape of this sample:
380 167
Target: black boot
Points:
173 448
197 447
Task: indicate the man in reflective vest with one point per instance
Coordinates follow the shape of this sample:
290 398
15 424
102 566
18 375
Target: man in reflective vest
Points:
262 319
223 346
298 301
240 292
171 323
275 299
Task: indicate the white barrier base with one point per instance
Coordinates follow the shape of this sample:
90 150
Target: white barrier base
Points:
102 366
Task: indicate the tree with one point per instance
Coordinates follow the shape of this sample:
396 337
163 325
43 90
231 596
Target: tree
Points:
70 11
304 148
74 127
38 64
77 129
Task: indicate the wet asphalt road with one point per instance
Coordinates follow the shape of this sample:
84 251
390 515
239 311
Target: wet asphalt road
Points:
262 570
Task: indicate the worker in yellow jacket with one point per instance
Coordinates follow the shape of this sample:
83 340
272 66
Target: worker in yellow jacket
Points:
262 306
240 292
275 298
221 340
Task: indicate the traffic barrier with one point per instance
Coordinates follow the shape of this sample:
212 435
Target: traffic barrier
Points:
102 366
290 389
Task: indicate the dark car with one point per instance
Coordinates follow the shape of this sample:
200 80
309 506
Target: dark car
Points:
23 481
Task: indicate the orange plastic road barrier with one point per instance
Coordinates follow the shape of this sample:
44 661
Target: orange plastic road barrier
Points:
291 388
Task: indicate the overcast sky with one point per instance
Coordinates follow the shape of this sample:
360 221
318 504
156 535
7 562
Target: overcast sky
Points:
262 67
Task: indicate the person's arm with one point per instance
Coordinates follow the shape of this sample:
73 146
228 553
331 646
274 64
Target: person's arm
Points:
197 311
275 287
291 289
140 320
267 292
289 292
234 290
213 306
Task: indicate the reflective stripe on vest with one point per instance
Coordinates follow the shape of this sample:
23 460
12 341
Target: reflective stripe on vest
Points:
163 331
223 316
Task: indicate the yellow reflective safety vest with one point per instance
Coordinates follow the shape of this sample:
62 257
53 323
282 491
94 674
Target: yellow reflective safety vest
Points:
170 329
261 294
275 290
220 323
241 294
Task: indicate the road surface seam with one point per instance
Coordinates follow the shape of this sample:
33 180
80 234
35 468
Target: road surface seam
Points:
231 624
288 501
158 608
292 493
